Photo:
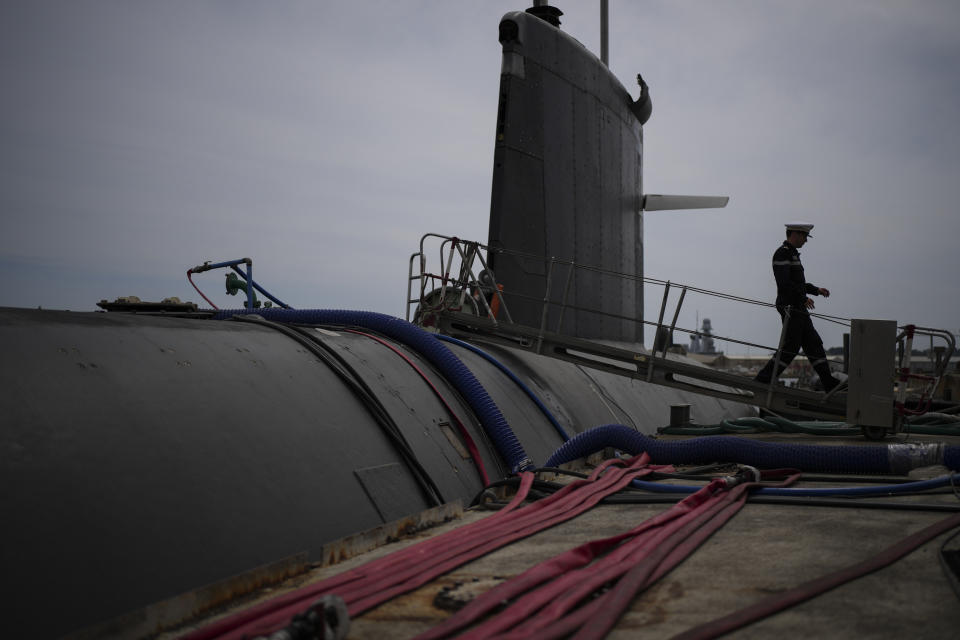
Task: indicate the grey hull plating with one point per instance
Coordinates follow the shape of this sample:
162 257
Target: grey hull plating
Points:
143 456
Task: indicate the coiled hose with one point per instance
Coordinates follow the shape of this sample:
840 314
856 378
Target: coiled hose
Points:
427 346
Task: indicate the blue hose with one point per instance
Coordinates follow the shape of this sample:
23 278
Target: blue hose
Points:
767 455
876 490
527 390
423 343
897 458
259 288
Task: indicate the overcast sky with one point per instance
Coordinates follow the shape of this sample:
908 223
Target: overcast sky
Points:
322 139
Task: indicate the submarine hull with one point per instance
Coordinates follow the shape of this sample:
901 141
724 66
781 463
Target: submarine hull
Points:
145 455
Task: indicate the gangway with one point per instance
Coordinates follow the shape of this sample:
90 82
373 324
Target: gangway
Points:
642 365
464 301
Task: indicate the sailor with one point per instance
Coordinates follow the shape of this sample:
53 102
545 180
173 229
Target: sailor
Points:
793 306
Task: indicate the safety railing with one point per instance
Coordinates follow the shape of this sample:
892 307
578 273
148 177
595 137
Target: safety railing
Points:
458 283
459 286
466 284
906 375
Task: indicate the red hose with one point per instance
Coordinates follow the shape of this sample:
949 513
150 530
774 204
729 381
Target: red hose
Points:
273 614
379 580
517 528
635 560
190 278
553 569
438 558
471 445
815 587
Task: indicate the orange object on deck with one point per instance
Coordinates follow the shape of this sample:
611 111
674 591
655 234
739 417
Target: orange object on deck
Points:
495 302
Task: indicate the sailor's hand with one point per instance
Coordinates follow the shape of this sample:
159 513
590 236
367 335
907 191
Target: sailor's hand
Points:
824 292
809 303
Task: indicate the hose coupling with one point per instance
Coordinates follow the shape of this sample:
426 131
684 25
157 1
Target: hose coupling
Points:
746 473
524 465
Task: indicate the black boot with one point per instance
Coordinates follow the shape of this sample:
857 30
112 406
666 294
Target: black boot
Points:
826 377
764 374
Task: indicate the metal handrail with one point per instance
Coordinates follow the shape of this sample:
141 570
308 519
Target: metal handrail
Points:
467 253
451 245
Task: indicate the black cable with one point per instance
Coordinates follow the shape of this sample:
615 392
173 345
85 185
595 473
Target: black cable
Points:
364 394
370 399
305 331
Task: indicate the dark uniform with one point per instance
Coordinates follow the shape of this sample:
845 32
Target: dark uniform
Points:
792 291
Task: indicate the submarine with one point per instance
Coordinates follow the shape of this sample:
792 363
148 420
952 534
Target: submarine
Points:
159 453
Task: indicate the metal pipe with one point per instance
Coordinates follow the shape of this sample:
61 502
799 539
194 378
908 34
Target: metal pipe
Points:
496 289
673 324
604 32
948 338
232 263
619 316
905 370
410 279
446 272
463 281
218 265
259 288
653 351
486 305
250 285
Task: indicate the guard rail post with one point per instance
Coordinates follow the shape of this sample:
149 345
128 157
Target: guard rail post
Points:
656 334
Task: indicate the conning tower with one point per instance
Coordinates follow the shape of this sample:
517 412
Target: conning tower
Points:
567 180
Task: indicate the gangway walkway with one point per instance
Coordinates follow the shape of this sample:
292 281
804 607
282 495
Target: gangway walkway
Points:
463 300
641 365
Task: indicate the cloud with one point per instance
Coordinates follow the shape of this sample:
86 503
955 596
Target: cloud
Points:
323 139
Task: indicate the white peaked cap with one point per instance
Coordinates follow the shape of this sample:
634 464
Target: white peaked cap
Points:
800 226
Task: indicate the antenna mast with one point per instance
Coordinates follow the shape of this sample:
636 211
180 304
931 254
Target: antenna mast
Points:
604 32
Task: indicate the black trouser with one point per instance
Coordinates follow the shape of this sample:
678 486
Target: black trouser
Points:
799 334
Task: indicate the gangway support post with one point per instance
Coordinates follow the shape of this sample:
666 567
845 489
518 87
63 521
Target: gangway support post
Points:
657 334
